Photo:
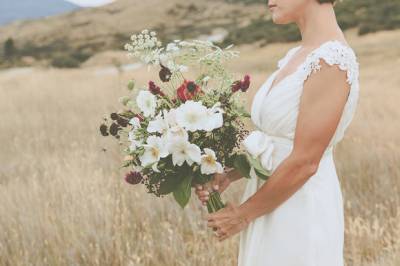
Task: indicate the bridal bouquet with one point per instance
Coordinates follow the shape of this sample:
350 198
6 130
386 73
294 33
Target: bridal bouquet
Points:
180 131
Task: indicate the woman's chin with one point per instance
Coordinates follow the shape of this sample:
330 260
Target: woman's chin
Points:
279 20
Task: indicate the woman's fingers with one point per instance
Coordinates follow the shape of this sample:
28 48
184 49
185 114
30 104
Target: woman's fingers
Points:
202 193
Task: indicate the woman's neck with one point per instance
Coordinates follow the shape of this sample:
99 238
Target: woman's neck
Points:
318 24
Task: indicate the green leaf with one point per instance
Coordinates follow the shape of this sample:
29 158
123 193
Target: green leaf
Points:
169 184
257 166
261 175
183 191
241 164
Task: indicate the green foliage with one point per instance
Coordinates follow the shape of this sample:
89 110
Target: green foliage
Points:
64 61
243 163
9 50
182 192
263 30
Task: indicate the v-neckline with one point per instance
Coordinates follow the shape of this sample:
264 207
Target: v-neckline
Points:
272 87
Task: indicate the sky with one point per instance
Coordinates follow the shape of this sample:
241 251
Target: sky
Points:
87 3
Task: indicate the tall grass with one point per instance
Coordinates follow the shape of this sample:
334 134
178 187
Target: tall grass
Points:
64 201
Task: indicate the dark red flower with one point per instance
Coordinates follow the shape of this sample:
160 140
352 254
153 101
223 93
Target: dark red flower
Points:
242 85
188 90
245 83
154 89
104 130
141 118
164 74
236 86
133 177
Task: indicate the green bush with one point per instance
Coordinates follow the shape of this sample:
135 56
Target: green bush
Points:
9 50
65 61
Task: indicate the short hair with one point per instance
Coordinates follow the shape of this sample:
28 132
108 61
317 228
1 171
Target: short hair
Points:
326 1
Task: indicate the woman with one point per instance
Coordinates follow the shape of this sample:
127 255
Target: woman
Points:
301 112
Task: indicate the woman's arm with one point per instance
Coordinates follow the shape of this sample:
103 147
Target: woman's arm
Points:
321 106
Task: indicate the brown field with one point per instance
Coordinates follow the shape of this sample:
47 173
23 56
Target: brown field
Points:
64 202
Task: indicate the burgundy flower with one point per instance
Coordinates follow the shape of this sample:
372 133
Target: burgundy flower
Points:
140 117
164 74
242 85
133 177
154 89
245 83
104 130
235 86
188 90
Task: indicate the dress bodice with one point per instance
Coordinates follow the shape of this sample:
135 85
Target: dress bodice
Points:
274 112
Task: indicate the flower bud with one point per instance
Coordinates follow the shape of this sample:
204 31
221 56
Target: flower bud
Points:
104 130
131 84
133 177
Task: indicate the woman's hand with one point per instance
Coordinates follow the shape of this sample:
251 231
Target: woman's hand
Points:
219 183
227 221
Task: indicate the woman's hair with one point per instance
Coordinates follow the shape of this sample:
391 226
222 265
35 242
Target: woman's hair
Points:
326 1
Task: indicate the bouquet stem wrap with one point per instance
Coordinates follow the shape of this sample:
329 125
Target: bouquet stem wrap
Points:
214 202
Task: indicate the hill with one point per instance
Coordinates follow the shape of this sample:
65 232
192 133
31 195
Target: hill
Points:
27 9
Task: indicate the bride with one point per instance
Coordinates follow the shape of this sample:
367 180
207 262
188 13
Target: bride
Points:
300 112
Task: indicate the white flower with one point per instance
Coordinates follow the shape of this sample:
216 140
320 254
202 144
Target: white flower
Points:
214 118
182 68
172 47
135 122
209 164
158 125
147 103
170 117
191 115
182 150
154 149
134 141
176 132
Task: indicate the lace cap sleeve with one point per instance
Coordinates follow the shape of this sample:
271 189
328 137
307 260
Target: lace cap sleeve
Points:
333 52
336 53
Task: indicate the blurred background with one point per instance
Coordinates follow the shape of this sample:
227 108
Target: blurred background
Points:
63 200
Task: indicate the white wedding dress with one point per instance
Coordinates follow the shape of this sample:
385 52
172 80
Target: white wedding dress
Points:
308 228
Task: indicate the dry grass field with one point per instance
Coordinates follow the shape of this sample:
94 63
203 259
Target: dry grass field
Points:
63 200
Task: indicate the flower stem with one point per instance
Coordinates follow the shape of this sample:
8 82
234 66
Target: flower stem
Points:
214 202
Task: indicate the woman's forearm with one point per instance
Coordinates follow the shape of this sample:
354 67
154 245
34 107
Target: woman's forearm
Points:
288 177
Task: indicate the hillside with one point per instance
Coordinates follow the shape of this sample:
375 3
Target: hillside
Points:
27 9
88 31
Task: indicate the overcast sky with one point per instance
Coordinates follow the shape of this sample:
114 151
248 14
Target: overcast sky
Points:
90 2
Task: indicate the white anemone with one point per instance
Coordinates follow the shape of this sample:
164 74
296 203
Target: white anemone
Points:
135 122
191 115
159 124
214 118
182 150
170 117
176 132
134 141
209 164
146 102
154 149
